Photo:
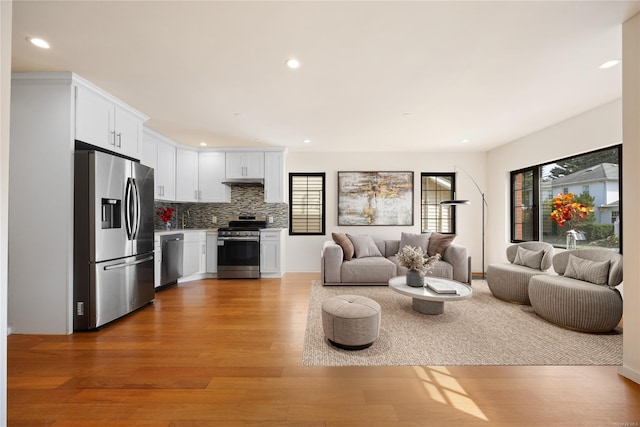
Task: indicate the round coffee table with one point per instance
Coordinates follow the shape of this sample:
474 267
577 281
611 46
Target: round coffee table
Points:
427 301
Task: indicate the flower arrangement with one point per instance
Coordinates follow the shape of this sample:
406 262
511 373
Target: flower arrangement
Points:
564 209
414 259
166 214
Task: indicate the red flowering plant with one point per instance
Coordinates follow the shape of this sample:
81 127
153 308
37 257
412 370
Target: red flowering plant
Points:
565 209
166 214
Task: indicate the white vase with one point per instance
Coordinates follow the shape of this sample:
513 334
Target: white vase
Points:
414 278
167 225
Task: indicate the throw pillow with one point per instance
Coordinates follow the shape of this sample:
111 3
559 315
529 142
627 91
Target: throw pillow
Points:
528 258
364 246
595 272
438 243
415 240
347 246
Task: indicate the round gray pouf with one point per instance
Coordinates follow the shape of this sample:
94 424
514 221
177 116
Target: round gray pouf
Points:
351 322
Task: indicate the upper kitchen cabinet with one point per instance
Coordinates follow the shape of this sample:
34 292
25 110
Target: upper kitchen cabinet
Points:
210 177
274 177
187 175
245 165
106 122
159 153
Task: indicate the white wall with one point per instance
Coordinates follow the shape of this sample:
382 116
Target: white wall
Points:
631 203
303 252
597 128
5 92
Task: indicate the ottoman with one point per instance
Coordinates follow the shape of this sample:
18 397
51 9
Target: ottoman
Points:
351 322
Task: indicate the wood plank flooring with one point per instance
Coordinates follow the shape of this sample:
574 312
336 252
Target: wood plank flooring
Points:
227 353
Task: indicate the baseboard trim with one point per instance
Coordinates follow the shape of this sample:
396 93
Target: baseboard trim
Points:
629 373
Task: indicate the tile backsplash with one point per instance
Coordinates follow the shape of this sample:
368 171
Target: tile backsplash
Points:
245 199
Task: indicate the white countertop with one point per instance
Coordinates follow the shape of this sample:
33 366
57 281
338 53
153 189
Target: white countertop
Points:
207 230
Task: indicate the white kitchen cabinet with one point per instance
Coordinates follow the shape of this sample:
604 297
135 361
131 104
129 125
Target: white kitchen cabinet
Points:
274 177
186 175
212 252
244 165
211 174
271 250
159 153
195 253
106 123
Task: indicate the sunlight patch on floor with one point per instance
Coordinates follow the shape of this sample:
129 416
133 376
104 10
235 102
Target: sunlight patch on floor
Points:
443 388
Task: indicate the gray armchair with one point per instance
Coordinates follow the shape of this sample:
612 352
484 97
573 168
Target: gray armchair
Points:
584 295
510 281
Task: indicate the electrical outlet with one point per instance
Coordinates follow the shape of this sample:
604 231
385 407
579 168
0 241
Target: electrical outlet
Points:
270 219
214 219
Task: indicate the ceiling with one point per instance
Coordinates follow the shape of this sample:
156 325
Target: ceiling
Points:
374 76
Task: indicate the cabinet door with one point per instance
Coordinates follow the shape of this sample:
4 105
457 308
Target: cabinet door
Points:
274 177
149 156
210 176
95 119
128 137
245 165
212 252
190 258
269 256
254 164
166 172
186 175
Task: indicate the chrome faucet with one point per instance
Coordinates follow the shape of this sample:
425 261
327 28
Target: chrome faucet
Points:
188 217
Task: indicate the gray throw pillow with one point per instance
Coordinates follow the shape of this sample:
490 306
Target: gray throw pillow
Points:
528 258
590 271
415 240
364 246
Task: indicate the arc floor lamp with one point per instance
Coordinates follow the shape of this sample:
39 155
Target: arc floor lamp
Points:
457 202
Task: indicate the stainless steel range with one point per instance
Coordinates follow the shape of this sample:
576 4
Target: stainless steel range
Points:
239 247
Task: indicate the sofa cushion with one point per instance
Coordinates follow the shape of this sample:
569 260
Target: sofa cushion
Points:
415 240
438 243
590 271
345 243
528 258
364 246
367 270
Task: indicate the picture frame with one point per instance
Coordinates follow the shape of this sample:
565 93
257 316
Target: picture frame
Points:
375 198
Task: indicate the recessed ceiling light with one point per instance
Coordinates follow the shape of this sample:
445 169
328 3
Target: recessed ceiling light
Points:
406 114
203 144
609 64
307 141
465 141
38 42
293 63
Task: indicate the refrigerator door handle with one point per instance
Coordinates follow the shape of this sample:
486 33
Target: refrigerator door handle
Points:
128 264
128 209
136 209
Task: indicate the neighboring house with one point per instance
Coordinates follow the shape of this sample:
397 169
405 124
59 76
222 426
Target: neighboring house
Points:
600 181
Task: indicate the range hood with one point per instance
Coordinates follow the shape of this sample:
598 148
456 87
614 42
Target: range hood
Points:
243 181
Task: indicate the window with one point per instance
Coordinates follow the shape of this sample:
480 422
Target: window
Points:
436 187
593 178
306 203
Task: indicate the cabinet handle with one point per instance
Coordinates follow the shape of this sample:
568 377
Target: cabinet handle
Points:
113 132
119 139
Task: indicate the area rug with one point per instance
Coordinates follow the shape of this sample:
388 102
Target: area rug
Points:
480 330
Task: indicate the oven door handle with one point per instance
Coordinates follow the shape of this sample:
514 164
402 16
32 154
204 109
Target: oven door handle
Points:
243 239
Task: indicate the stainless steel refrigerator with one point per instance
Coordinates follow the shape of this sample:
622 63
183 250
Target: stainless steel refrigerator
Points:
113 238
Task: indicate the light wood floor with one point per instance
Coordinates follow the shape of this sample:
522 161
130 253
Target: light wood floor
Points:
227 353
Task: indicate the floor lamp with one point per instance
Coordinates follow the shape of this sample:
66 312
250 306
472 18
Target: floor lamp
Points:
458 202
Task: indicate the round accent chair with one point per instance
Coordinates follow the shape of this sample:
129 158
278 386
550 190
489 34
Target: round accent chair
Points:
510 281
351 322
583 296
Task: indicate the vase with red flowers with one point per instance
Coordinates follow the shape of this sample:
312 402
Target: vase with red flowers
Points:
165 216
564 210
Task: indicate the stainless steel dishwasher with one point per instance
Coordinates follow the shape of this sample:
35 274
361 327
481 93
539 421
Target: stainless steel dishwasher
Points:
172 255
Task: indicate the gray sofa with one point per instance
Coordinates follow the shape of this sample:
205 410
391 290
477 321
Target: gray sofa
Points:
377 270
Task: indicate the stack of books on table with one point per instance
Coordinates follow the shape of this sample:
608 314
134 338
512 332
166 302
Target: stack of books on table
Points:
441 288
